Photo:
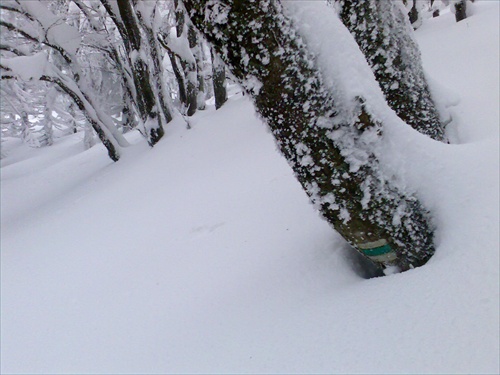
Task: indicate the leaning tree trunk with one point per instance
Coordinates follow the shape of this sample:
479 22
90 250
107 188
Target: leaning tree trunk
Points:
156 59
135 46
382 32
179 78
106 132
264 51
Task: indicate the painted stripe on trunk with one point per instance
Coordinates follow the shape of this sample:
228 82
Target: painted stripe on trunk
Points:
377 250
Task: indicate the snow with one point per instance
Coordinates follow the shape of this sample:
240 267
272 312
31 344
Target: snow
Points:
344 67
204 255
66 36
27 67
180 46
473 78
55 29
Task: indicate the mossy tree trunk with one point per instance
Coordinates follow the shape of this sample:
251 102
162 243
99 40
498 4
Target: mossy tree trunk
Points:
264 51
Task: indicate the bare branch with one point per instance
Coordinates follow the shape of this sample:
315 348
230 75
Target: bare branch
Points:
161 39
7 74
84 9
15 51
5 67
21 32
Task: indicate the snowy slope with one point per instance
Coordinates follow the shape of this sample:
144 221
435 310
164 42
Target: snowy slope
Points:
204 255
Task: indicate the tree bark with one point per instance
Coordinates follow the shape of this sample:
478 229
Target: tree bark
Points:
383 35
189 67
130 31
413 15
156 59
460 10
179 77
79 100
194 45
261 47
191 86
219 80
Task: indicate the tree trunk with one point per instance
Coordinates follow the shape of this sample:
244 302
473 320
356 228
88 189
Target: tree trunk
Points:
189 67
72 112
135 46
460 10
156 59
91 116
194 45
48 133
383 35
191 87
26 135
180 79
263 50
219 80
413 15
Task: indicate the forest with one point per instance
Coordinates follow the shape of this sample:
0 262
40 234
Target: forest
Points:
262 186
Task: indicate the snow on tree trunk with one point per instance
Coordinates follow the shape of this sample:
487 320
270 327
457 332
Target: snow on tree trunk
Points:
194 45
179 78
190 72
188 61
47 138
219 80
383 34
88 137
72 113
414 16
27 131
129 119
100 122
147 22
138 51
329 147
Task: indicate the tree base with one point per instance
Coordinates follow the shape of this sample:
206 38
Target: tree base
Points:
361 265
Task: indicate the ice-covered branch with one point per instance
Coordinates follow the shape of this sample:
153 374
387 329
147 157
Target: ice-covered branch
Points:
18 10
32 38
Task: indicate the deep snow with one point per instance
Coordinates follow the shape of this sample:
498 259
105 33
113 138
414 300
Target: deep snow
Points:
204 255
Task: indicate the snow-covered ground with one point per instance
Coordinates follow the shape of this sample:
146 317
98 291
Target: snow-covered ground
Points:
204 255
